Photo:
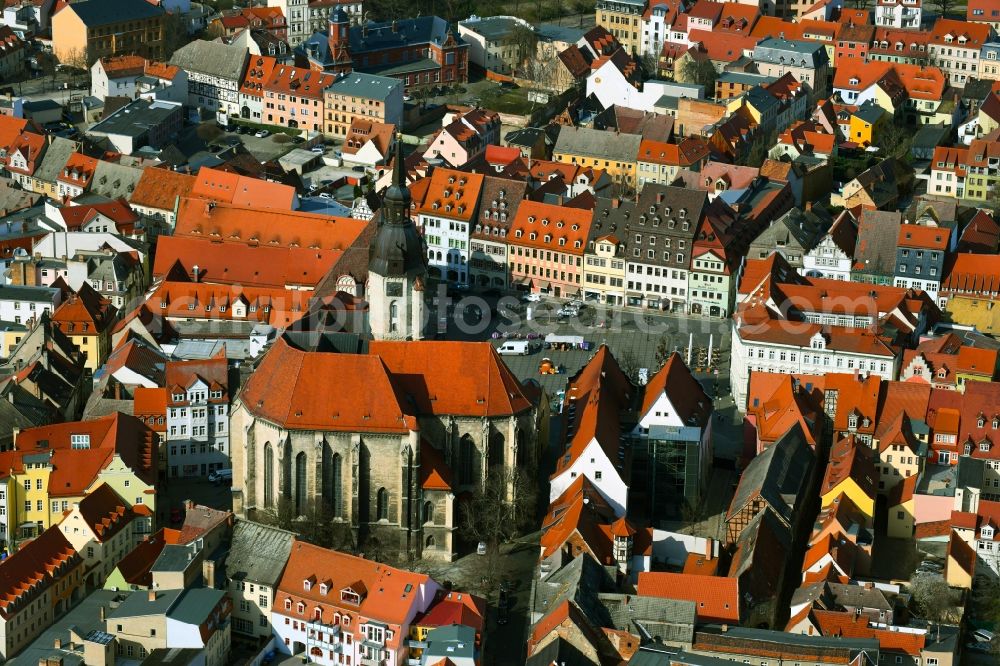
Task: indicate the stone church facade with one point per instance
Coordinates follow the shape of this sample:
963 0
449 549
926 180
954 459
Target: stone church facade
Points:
383 443
395 481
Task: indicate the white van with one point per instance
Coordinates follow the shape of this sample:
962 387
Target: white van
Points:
515 348
221 476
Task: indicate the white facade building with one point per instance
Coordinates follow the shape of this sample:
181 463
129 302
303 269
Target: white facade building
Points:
898 14
23 304
197 436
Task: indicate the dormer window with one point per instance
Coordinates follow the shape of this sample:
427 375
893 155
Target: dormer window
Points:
300 608
324 589
984 445
852 421
968 449
288 604
307 584
986 532
980 422
996 423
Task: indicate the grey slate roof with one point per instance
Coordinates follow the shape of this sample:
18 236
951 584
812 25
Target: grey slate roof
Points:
55 158
776 50
745 78
114 180
805 228
258 553
138 604
838 596
414 31
878 233
195 605
598 144
102 12
493 28
225 62
778 475
359 84
11 292
671 619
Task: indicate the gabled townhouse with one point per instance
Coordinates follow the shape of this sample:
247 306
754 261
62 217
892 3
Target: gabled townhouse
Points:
101 528
546 247
76 175
962 424
215 74
581 522
719 248
943 364
955 47
776 402
131 76
672 439
775 481
902 46
904 14
329 604
793 235
42 580
488 245
921 253
368 142
659 260
805 138
850 473
807 61
250 99
256 560
197 433
464 137
604 265
658 162
717 597
877 189
445 218
900 454
293 98
87 317
842 520
853 41
596 397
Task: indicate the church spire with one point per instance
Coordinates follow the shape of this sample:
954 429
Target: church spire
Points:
397 248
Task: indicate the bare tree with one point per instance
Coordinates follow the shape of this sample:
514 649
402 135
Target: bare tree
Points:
701 72
525 43
503 508
894 141
932 599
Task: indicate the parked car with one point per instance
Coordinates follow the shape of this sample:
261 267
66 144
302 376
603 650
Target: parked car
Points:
262 134
984 636
532 298
319 150
567 311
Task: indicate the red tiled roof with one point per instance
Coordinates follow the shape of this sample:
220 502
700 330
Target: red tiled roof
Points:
161 189
136 565
228 187
686 395
40 562
287 389
466 378
851 625
565 228
387 594
716 598
104 512
849 460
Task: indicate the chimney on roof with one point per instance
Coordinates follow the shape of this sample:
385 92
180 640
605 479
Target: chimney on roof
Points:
195 271
152 595
616 202
57 643
708 549
809 206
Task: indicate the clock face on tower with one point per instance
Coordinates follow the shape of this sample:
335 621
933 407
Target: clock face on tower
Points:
393 288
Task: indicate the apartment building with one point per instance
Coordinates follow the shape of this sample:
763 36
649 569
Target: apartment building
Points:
365 96
331 606
293 98
498 205
83 32
257 557
546 246
101 528
445 217
41 581
955 46
87 318
905 14
197 433
614 152
623 19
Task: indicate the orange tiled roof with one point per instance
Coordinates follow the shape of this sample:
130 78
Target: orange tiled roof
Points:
161 188
387 594
550 227
39 562
85 313
849 460
688 152
298 81
452 194
851 625
104 512
716 598
686 395
228 187
467 378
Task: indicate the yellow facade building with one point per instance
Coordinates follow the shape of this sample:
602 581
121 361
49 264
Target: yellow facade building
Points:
84 32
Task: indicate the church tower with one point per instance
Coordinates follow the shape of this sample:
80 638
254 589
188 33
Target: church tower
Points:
397 266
